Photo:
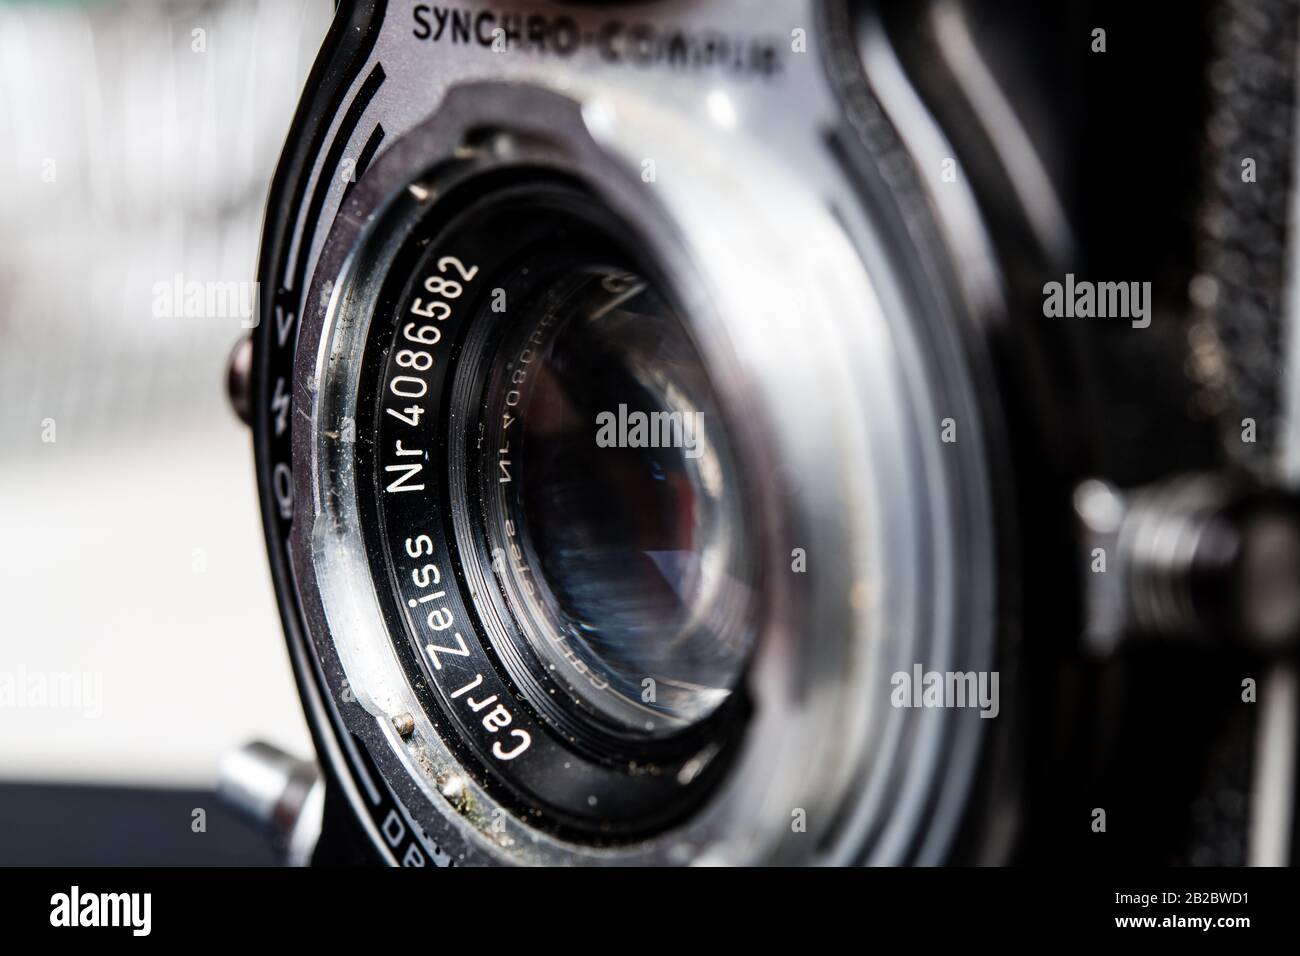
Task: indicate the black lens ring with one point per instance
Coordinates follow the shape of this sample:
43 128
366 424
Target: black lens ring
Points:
571 781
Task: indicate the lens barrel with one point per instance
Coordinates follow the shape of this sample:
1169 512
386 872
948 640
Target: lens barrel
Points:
553 481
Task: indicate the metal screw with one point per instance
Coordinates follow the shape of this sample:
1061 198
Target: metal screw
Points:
404 724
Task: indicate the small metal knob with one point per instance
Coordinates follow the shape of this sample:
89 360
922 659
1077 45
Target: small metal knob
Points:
1196 557
239 379
282 795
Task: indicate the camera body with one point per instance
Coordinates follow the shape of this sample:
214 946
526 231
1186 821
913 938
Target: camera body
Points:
514 215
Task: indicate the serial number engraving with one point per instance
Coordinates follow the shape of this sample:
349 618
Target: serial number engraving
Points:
421 337
418 351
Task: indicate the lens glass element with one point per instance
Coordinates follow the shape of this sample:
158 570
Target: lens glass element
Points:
623 561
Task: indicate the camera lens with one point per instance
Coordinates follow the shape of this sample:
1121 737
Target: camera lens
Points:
557 506
616 507
563 429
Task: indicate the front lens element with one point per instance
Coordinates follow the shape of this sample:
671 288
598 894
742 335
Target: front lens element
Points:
626 565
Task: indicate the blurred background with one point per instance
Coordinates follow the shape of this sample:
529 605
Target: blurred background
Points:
140 636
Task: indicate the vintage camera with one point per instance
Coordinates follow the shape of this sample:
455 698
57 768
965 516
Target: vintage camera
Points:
792 431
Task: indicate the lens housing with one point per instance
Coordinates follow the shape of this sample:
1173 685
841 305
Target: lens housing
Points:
872 537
